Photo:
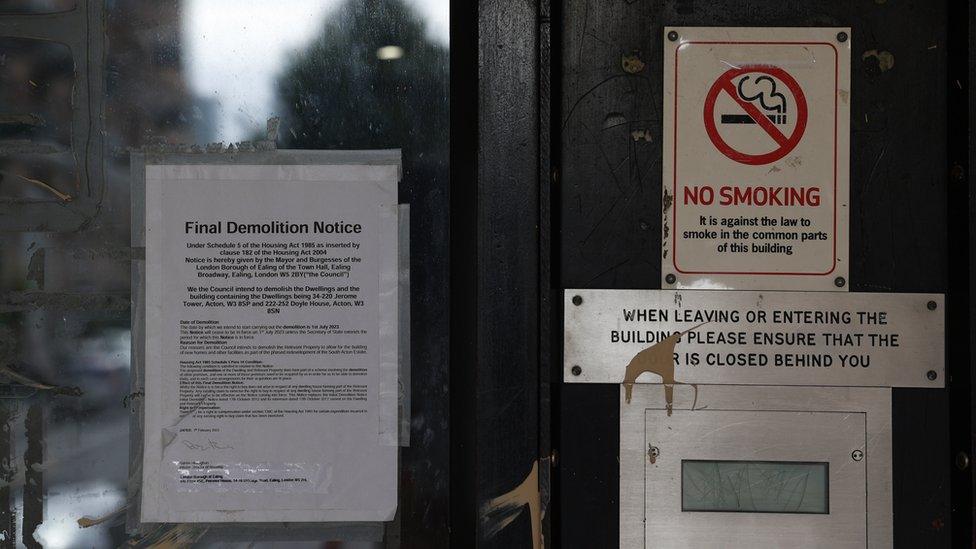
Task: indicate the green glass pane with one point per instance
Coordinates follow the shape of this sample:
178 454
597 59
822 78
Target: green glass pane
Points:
754 486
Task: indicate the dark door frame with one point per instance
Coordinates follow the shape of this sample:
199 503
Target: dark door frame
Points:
505 313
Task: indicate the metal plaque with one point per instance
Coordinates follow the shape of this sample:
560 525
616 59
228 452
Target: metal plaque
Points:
754 338
756 467
756 158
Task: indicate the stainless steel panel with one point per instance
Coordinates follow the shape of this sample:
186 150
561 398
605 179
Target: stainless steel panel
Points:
824 339
828 437
849 428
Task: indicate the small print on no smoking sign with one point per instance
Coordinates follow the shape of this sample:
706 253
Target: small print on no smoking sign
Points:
756 158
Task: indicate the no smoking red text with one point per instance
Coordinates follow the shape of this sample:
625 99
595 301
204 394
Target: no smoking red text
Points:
729 195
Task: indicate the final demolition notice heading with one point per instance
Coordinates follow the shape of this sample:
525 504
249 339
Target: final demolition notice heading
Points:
262 259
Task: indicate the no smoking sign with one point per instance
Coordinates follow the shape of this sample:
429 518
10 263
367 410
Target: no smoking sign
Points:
764 113
756 158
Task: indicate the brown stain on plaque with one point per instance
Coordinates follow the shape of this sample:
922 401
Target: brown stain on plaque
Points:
657 359
499 512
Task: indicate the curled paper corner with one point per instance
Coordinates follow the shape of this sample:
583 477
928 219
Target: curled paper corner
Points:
168 436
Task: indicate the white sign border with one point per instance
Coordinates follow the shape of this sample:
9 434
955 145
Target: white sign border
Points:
838 278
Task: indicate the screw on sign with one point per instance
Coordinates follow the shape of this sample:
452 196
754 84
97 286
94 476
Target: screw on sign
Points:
760 106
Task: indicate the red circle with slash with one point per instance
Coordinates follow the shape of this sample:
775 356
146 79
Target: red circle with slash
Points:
786 144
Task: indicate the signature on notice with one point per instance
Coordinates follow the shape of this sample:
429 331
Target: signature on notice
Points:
209 445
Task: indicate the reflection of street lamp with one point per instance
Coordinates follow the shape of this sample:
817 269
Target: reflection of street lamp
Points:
389 53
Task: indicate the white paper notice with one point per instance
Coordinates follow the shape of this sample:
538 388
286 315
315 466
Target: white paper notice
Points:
756 158
271 322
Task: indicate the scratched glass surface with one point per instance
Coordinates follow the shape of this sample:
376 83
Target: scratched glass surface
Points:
177 74
36 79
754 486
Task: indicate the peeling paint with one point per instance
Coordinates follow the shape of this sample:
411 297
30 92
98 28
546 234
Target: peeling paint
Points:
162 147
499 512
127 399
657 359
269 143
28 382
886 60
666 201
632 64
638 135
